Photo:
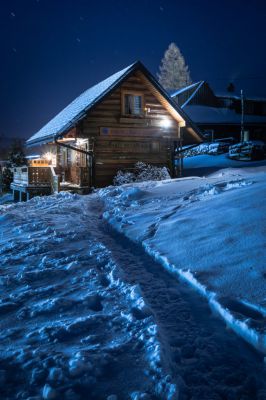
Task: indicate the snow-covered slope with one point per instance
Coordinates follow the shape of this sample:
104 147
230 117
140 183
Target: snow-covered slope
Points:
210 231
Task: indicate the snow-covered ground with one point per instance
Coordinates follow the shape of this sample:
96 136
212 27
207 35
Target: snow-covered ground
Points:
87 314
70 327
211 232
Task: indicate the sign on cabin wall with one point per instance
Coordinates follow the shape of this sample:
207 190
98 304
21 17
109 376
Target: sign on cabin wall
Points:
134 147
126 132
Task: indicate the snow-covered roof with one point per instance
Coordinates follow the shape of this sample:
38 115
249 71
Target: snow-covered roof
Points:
196 86
192 95
72 113
184 89
216 115
237 96
76 110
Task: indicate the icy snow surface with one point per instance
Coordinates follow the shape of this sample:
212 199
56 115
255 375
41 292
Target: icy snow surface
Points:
210 231
87 314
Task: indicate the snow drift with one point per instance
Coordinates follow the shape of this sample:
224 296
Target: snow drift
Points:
210 231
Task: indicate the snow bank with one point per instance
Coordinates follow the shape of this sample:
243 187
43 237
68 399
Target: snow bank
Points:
210 231
6 198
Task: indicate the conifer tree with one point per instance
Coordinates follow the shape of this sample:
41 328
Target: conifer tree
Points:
6 177
16 155
174 73
16 158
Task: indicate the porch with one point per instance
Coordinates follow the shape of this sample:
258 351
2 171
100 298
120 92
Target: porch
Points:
30 181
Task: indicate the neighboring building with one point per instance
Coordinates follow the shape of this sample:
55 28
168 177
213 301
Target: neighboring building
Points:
219 115
126 118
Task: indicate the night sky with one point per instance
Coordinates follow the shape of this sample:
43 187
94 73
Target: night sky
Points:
52 50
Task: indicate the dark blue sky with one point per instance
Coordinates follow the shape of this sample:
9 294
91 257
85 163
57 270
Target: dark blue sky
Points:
52 50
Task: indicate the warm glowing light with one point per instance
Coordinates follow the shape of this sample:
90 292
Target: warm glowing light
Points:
80 141
66 140
165 123
48 156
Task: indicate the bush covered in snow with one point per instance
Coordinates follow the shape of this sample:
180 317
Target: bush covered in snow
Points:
124 177
142 172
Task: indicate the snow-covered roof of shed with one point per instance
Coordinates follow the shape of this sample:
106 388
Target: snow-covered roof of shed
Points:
75 110
184 89
217 115
237 96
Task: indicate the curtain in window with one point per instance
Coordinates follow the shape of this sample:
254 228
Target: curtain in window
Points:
137 104
131 104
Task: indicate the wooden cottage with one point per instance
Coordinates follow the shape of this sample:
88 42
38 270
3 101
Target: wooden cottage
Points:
126 118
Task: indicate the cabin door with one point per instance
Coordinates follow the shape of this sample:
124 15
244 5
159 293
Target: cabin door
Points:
64 163
84 165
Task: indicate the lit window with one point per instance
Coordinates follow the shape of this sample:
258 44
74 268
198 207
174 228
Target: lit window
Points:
133 104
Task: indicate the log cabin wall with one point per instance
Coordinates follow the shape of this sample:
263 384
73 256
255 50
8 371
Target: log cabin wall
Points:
122 140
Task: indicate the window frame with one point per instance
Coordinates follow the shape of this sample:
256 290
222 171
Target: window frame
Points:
123 103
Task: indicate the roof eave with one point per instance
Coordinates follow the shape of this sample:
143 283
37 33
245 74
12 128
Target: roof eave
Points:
37 142
184 89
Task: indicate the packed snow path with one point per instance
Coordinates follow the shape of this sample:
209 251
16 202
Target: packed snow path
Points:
86 314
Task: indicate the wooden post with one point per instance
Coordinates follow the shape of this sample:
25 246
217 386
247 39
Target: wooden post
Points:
242 116
15 196
178 159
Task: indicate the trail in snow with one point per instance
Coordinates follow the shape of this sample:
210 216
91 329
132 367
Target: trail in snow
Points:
70 327
207 360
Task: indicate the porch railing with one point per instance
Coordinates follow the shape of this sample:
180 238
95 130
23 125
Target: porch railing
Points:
33 176
36 176
46 176
20 175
